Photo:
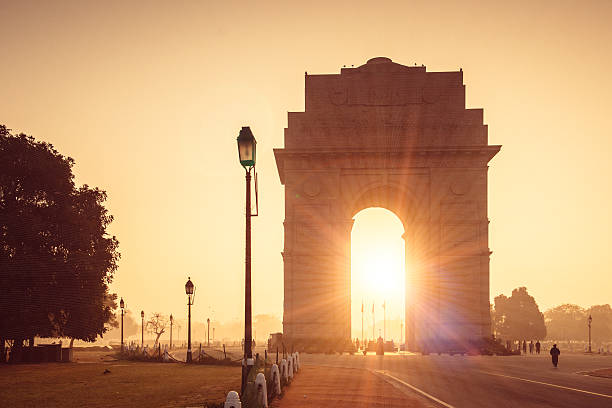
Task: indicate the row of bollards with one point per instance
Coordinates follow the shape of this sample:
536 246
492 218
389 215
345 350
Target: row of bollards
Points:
279 375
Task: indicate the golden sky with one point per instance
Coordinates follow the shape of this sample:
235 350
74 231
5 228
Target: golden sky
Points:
148 98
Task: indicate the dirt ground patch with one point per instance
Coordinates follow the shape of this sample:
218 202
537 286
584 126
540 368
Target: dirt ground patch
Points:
319 387
128 384
604 372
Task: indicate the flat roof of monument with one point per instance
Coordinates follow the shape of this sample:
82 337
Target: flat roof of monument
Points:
386 65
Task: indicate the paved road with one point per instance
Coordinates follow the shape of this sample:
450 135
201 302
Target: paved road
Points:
484 381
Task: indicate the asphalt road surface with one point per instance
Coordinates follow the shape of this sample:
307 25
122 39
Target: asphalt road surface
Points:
489 381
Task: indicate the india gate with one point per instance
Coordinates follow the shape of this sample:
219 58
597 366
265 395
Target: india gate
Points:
400 138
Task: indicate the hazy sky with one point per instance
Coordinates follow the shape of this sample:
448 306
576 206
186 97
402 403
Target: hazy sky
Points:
148 98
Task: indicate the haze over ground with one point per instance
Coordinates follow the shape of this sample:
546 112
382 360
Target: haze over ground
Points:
149 101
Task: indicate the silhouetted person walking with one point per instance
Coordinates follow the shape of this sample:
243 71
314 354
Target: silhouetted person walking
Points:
538 345
531 347
524 347
554 352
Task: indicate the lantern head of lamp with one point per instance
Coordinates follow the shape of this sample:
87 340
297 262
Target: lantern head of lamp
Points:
189 288
590 319
171 319
142 314
121 303
247 148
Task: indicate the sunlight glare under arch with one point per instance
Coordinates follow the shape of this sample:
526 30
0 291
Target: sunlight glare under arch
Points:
378 269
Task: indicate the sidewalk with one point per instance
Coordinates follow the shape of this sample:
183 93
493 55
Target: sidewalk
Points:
316 386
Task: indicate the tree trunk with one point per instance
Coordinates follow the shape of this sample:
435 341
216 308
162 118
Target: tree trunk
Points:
71 342
157 338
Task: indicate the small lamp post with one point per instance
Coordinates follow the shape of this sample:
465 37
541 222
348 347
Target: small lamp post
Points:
247 148
122 306
171 323
189 290
590 319
208 323
142 338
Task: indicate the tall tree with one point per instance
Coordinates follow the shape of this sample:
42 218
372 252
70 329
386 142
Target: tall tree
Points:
566 322
518 316
56 259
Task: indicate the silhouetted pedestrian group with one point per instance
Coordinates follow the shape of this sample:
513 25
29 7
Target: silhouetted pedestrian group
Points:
533 347
536 347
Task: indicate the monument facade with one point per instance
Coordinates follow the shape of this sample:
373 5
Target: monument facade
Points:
397 137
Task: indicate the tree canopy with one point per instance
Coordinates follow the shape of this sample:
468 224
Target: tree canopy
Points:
569 322
56 258
518 316
566 322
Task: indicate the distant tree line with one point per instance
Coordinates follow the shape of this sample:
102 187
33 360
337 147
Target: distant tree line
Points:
570 323
518 317
56 258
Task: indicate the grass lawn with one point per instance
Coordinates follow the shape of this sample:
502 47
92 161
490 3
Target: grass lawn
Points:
129 384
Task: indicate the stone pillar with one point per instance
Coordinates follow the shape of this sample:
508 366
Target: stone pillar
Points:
410 325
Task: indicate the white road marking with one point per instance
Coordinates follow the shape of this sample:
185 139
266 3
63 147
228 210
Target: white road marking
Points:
550 385
412 387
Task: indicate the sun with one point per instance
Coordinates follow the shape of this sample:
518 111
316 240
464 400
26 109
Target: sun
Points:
380 268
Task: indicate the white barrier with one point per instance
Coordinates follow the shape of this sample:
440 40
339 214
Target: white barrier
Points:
283 370
290 366
295 365
262 390
297 360
275 373
232 400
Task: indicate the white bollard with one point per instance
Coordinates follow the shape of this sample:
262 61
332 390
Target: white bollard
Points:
262 390
296 363
290 367
232 400
275 373
297 357
283 370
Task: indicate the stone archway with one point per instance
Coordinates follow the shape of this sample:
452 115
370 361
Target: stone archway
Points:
397 137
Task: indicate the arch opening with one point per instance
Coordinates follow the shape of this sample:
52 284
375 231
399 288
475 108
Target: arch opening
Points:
378 276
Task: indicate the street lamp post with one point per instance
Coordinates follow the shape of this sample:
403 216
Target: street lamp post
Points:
590 320
122 306
171 323
190 291
247 148
208 336
142 325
